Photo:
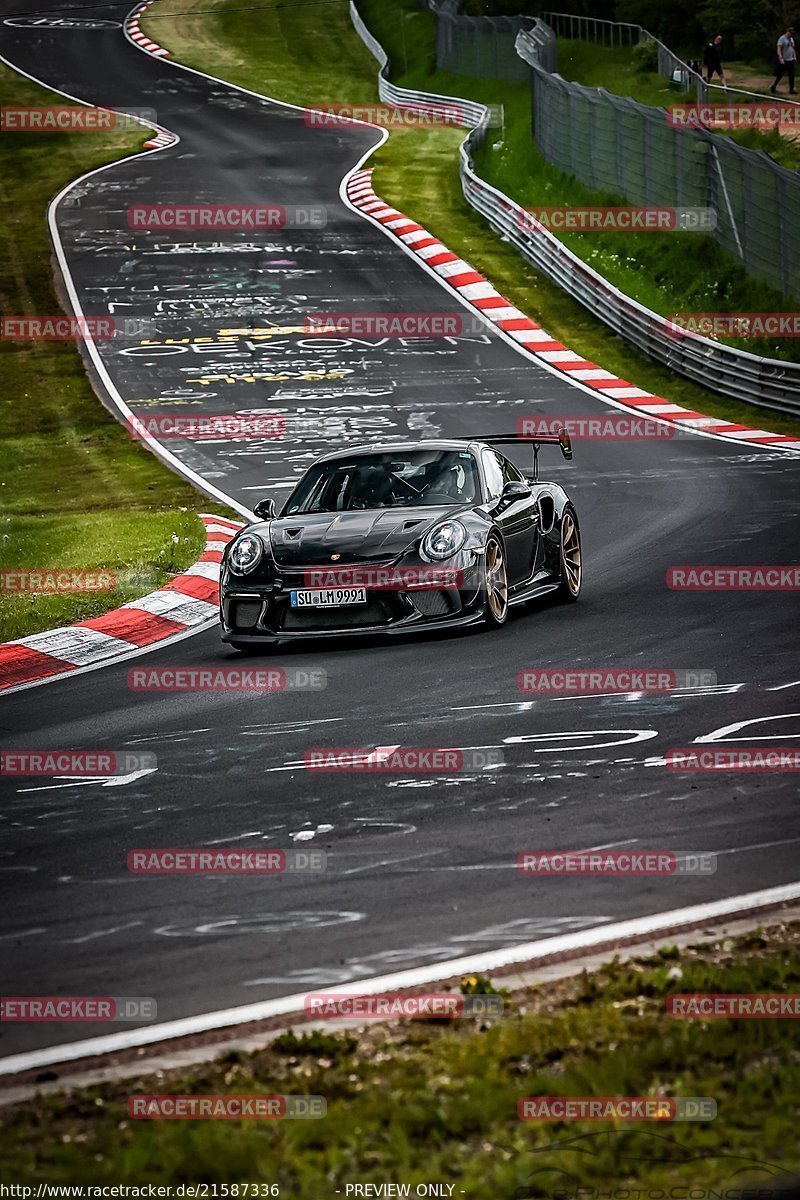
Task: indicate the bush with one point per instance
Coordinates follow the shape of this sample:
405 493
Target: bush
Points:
645 56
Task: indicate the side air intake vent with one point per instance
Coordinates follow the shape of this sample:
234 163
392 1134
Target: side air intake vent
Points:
547 512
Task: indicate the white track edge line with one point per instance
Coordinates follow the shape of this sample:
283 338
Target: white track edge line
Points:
491 960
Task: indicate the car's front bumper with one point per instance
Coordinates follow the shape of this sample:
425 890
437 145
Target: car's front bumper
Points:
261 613
418 624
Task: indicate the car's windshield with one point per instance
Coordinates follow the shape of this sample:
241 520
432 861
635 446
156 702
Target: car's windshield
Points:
390 479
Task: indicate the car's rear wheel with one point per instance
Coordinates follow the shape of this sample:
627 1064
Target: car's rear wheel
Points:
495 580
571 560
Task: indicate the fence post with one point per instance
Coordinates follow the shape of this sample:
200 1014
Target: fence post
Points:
726 197
786 266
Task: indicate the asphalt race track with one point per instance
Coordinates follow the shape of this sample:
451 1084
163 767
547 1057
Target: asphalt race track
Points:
420 868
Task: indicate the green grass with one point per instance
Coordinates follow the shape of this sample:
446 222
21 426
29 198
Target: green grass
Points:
614 68
140 544
75 490
286 54
413 1102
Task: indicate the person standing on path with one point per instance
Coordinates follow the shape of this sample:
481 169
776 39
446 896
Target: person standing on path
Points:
712 60
787 60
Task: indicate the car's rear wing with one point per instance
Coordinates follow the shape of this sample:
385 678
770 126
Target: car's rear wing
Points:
561 439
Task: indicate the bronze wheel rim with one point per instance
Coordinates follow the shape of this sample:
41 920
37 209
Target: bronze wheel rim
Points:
496 580
571 554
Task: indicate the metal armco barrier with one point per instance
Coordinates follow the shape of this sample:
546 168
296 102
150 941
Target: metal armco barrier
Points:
769 383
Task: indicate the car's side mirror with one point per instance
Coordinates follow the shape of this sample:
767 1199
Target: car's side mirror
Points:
515 489
265 509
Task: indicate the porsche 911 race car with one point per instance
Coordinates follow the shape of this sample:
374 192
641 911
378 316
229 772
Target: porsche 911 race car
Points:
395 537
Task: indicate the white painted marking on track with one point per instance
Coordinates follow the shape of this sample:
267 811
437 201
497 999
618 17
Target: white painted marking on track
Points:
637 735
233 838
720 735
101 933
389 862
80 780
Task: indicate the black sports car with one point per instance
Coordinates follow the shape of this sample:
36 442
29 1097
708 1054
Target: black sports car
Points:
394 537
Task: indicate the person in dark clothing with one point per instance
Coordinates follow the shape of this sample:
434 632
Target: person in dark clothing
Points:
786 60
712 60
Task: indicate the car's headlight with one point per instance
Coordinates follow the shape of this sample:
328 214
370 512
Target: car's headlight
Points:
444 540
245 552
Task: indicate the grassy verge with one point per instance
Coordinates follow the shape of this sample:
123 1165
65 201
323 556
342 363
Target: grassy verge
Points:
287 54
613 68
76 491
415 1102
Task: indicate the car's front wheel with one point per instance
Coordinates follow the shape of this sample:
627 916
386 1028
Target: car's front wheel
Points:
571 560
495 580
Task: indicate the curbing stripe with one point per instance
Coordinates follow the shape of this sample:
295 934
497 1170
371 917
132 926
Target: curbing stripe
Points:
470 285
185 602
133 31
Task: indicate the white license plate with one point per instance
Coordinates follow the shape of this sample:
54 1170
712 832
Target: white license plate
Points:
327 597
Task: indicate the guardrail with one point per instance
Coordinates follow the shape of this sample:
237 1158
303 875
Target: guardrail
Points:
766 382
469 110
